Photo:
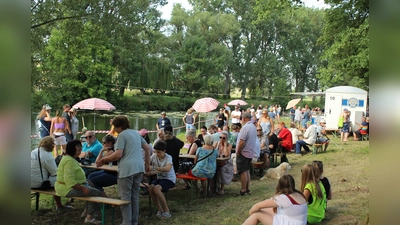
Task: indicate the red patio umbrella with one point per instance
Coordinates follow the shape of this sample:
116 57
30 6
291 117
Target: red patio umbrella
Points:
94 104
205 105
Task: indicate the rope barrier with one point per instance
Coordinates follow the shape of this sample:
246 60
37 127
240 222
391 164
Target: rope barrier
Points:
150 131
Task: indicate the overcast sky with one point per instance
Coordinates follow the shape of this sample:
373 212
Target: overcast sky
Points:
167 9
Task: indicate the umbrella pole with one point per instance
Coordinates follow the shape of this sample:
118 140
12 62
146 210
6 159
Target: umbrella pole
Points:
94 121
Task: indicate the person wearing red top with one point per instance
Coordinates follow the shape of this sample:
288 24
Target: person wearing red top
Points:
285 138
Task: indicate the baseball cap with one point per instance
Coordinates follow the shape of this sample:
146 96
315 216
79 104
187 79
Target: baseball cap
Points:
143 132
322 121
46 106
345 109
246 115
163 113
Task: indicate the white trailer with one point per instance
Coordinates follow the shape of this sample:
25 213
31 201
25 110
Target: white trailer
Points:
341 97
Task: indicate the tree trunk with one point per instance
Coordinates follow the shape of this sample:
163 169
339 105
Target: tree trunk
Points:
121 91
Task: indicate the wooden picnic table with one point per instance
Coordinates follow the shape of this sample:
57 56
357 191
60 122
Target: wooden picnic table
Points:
106 167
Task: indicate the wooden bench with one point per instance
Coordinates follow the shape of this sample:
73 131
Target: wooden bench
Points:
102 200
318 147
192 182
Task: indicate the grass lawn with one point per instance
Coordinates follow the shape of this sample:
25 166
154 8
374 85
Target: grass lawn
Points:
348 171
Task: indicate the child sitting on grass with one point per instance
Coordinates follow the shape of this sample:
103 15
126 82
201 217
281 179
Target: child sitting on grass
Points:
325 181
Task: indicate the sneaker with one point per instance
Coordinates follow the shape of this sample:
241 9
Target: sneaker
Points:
166 215
93 221
159 214
220 192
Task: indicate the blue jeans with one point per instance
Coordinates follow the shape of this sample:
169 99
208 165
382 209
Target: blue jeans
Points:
299 144
102 179
129 191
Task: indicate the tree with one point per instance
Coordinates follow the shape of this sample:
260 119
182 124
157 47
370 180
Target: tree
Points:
346 37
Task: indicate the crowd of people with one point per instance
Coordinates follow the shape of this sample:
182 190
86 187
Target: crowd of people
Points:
239 137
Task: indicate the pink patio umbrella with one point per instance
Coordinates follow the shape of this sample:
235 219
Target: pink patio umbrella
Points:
94 104
205 105
238 101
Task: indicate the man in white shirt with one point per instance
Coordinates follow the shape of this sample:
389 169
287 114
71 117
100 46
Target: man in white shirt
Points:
310 137
297 117
236 116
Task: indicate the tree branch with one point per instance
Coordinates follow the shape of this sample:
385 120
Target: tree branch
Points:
40 1
56 19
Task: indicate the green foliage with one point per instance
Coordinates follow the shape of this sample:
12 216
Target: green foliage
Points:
346 36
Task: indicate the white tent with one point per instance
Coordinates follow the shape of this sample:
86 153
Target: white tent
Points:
341 97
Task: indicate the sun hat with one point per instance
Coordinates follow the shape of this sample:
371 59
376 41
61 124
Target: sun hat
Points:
143 132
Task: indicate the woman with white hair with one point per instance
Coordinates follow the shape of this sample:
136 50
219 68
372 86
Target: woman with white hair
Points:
224 168
205 162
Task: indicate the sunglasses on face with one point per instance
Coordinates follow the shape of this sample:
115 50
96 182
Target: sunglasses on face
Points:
104 142
222 138
88 137
259 130
78 146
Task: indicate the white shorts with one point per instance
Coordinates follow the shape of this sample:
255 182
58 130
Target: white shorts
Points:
60 140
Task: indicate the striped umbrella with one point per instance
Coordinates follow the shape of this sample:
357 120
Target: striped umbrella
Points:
205 105
238 101
94 104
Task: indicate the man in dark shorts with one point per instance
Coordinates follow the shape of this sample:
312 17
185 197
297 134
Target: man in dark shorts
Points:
245 149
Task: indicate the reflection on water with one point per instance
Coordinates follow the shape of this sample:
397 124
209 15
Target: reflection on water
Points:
138 121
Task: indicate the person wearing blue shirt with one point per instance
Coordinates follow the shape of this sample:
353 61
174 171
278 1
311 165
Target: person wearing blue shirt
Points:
91 148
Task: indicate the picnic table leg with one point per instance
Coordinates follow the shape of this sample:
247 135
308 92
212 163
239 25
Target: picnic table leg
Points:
103 214
37 200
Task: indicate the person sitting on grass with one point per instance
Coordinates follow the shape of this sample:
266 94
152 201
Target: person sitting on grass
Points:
325 181
314 191
161 163
288 206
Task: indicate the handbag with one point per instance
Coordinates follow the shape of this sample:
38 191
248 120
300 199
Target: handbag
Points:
185 166
45 183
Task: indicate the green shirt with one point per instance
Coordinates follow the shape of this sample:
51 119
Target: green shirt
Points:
69 173
316 210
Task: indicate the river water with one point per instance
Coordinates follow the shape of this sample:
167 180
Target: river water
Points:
138 120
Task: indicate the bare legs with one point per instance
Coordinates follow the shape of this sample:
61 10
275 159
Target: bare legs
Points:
158 198
344 136
264 216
